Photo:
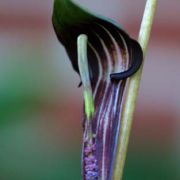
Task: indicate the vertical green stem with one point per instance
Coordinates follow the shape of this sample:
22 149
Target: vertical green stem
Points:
132 92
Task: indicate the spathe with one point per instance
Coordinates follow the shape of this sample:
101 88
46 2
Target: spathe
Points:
110 51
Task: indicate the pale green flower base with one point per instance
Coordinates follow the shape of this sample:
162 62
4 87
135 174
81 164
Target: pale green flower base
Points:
84 73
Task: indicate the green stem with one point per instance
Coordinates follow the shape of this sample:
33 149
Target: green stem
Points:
132 92
82 42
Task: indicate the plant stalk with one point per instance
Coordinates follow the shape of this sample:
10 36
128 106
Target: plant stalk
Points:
132 92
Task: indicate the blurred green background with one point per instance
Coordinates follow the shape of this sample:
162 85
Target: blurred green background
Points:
41 106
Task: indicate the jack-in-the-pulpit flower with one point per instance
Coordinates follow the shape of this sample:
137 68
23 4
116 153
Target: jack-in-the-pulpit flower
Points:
112 57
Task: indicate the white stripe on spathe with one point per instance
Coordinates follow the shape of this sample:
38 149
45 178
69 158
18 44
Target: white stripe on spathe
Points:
126 51
100 69
118 57
108 71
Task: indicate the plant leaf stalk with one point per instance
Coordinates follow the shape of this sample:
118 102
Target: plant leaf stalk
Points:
132 92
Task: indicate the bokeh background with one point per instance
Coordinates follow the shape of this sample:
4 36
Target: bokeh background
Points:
41 106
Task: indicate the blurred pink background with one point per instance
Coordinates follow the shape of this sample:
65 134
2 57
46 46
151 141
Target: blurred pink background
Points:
41 106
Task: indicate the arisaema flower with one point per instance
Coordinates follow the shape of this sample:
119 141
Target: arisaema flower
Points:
112 57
